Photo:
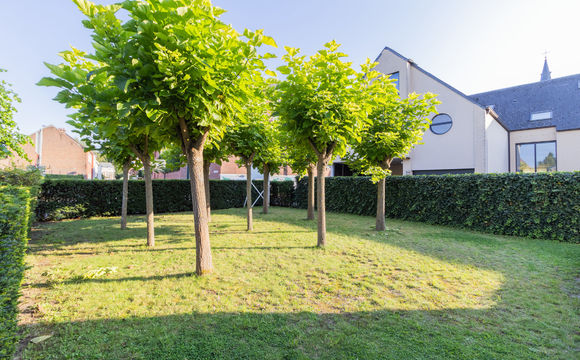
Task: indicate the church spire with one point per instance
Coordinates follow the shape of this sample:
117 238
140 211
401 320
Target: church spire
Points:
546 71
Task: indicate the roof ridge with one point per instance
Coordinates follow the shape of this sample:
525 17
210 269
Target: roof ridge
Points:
528 84
413 63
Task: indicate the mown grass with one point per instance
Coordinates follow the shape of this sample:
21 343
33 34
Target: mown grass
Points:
415 291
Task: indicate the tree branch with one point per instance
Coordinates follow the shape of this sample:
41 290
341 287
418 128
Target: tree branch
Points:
329 151
185 138
311 142
200 141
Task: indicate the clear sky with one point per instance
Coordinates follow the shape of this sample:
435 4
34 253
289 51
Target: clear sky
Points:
474 45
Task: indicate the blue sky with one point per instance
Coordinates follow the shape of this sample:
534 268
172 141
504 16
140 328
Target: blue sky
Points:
473 45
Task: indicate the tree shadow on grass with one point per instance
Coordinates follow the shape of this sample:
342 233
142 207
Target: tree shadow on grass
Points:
510 329
49 237
385 334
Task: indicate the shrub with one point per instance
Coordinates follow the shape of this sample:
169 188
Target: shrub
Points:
64 177
14 216
32 179
282 193
543 205
68 199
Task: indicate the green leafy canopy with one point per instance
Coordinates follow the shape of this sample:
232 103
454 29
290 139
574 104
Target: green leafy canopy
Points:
393 128
321 102
11 140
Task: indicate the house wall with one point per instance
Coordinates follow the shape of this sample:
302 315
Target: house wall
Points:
62 155
496 146
463 146
568 150
228 170
528 136
57 152
21 163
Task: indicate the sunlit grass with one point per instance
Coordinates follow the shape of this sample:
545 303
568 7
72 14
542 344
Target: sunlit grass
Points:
432 291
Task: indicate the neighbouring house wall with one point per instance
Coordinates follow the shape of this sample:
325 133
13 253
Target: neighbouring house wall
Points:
180 174
529 136
228 170
56 152
62 155
568 150
21 163
496 146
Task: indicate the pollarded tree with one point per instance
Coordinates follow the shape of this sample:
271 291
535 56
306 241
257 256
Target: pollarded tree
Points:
119 155
213 153
270 157
395 126
321 102
10 138
246 139
173 159
302 160
190 73
103 115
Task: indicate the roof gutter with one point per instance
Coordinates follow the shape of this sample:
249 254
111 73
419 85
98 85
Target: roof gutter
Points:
489 110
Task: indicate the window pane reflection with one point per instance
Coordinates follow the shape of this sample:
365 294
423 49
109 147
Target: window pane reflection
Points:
525 158
545 157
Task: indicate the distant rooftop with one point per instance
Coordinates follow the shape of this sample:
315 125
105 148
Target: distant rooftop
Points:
549 102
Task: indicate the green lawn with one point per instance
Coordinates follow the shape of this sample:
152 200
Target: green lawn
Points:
415 291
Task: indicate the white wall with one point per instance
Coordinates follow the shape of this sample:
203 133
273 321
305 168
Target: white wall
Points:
496 146
463 147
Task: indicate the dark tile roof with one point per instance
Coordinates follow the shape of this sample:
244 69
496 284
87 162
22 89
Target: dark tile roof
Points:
515 105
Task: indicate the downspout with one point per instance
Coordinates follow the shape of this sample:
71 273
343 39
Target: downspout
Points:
509 153
409 62
39 147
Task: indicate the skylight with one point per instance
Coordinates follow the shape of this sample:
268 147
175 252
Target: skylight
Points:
544 115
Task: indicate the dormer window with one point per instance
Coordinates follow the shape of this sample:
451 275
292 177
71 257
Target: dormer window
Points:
544 115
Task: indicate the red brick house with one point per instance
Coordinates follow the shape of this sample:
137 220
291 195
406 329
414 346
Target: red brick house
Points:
55 152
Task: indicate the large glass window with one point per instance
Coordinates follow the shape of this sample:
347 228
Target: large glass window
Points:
536 157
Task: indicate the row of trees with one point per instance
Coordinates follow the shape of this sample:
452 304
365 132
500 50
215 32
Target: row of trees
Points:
174 75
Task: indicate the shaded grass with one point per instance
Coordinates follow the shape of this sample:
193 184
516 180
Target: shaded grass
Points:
414 291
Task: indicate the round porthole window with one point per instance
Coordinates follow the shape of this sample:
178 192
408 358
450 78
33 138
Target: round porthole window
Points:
441 124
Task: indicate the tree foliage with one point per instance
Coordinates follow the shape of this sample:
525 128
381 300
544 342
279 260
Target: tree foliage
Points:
323 102
271 154
173 159
395 125
11 140
320 102
183 74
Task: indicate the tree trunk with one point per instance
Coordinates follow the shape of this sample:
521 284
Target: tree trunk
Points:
249 194
381 198
203 263
266 189
126 167
206 165
310 215
380 225
321 201
149 200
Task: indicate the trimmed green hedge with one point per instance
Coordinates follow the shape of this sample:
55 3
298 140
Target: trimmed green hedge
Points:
545 205
31 179
69 199
14 216
64 177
